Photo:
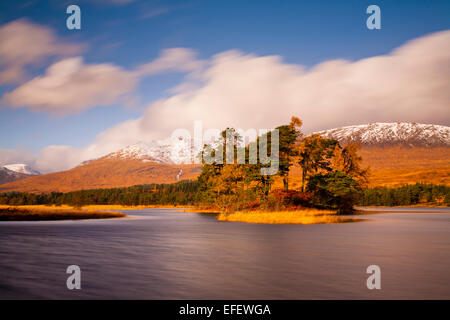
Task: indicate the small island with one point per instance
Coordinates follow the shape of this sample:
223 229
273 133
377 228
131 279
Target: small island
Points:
11 213
306 216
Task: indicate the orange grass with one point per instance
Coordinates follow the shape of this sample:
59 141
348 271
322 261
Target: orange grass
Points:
306 216
10 213
93 207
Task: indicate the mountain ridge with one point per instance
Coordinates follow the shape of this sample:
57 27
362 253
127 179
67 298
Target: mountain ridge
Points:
105 173
22 168
392 133
15 172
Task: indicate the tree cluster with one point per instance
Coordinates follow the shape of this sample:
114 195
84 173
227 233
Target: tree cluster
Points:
331 175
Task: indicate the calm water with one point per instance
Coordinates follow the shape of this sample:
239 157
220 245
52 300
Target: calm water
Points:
162 254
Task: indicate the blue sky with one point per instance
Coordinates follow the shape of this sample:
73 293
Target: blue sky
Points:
131 34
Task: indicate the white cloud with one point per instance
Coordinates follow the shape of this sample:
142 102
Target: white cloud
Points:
24 43
11 156
57 158
173 59
245 91
70 86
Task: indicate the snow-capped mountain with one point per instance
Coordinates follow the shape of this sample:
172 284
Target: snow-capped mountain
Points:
22 168
152 151
166 151
179 151
14 172
134 165
406 133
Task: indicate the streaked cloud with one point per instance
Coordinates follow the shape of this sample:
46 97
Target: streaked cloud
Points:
23 44
70 86
173 59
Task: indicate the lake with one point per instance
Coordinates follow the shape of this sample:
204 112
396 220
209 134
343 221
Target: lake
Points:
165 254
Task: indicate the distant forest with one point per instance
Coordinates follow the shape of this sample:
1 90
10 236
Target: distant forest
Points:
419 193
188 193
180 193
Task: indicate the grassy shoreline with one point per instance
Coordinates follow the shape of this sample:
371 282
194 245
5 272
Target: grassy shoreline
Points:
93 207
419 205
11 213
293 216
304 216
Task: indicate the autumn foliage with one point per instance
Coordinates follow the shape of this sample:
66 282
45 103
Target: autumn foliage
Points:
336 173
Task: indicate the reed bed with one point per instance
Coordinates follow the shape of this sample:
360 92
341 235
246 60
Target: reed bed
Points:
306 216
42 214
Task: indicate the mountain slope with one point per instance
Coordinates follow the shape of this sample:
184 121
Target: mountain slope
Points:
15 172
400 153
7 175
136 164
166 151
22 168
390 134
105 173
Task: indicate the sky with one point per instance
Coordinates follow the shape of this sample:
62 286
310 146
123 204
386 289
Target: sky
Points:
138 70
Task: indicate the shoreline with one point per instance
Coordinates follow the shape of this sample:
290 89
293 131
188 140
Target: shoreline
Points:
293 216
410 206
302 216
93 207
185 208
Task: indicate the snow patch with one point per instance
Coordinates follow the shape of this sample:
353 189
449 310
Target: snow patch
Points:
411 133
21 168
170 151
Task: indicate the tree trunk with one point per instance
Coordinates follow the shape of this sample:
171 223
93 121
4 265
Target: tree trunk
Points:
303 180
286 183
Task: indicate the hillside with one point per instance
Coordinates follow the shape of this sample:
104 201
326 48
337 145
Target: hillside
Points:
397 165
15 172
22 168
7 175
105 173
400 153
404 134
397 153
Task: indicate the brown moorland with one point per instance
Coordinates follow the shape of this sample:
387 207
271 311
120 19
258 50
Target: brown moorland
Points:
393 166
104 173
